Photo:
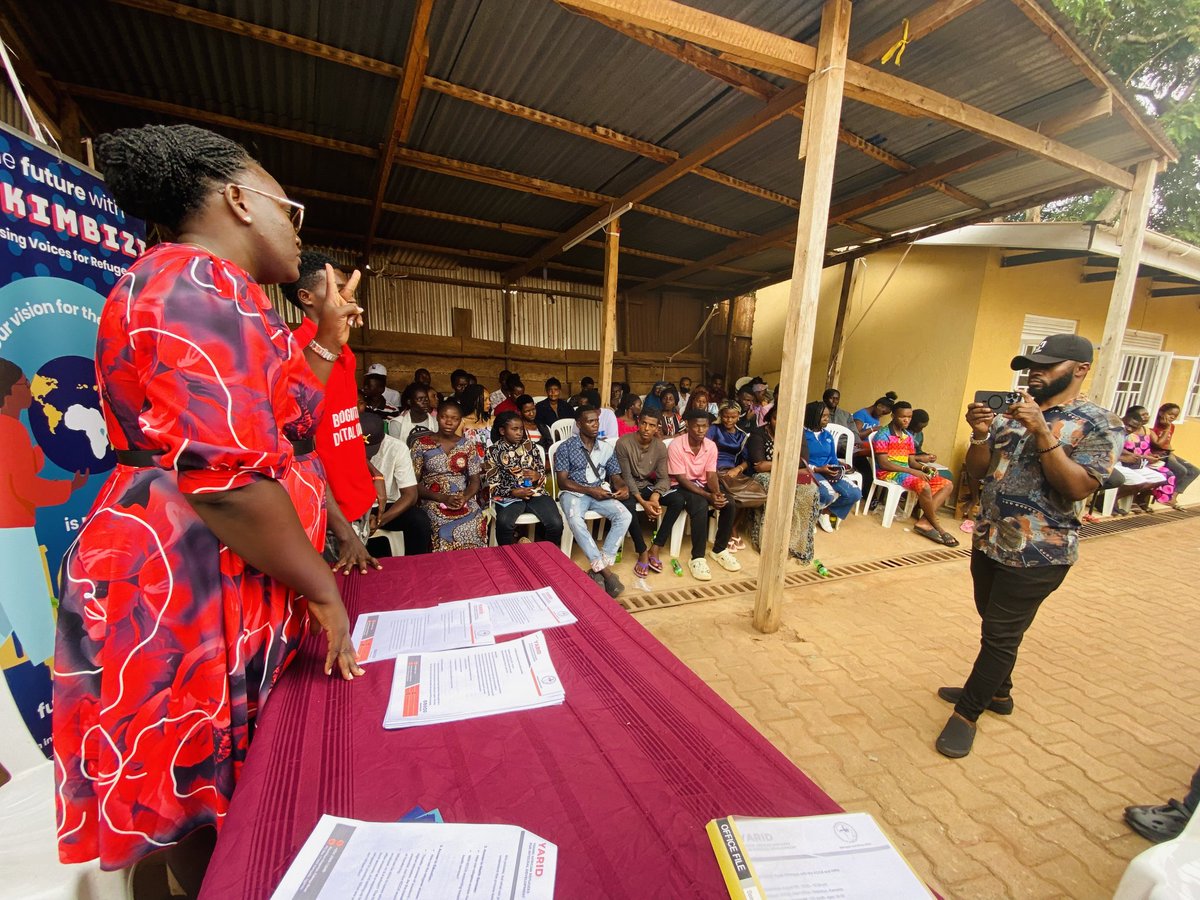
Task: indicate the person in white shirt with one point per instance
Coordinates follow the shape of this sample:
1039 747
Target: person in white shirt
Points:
391 396
499 396
393 461
414 411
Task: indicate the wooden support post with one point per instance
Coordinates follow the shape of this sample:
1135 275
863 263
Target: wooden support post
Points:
608 309
823 111
849 278
1133 233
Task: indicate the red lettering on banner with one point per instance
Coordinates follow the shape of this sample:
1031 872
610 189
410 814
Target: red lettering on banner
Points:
90 232
11 200
65 220
37 209
110 238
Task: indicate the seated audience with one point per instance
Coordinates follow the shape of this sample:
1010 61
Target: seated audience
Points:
920 421
422 376
642 457
865 423
760 453
1146 476
447 468
516 479
685 388
716 389
586 384
699 399
374 391
618 392
731 458
553 408
670 424
627 414
589 480
501 394
414 410
653 400
391 396
838 495
528 413
692 464
393 460
459 379
747 401
608 418
477 415
513 389
894 450
1161 437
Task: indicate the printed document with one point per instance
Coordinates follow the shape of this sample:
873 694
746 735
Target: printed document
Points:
349 858
386 635
526 611
464 684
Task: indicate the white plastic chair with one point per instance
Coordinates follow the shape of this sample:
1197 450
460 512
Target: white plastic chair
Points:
561 430
1166 871
568 539
395 539
840 433
894 494
524 518
28 827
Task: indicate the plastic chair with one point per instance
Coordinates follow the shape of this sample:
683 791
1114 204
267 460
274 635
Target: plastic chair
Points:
894 493
524 518
568 539
28 826
840 433
1167 871
561 430
395 539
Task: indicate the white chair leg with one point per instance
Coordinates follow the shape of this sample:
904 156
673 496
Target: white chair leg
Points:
1108 501
677 534
890 502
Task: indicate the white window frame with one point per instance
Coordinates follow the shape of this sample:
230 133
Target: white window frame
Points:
1034 330
1151 391
1190 407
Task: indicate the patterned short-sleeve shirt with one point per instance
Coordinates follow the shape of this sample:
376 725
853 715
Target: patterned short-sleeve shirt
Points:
1023 521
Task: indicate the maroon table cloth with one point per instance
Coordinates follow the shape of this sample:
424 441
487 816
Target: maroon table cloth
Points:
622 777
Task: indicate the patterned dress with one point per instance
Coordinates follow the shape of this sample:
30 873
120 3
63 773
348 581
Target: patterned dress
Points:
168 643
447 473
1140 444
897 448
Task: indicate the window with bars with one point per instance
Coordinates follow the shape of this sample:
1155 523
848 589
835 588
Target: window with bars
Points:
1191 406
1034 330
1140 381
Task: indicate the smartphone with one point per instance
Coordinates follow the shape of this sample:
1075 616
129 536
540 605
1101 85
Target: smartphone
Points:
997 401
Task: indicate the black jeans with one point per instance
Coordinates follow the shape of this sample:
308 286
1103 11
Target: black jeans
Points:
1007 598
696 506
551 523
418 530
635 524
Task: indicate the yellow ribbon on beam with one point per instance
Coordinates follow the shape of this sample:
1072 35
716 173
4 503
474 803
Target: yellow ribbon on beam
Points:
898 47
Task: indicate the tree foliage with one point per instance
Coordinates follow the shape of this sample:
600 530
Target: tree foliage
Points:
1153 46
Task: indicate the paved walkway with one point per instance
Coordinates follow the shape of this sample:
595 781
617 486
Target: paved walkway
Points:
1107 693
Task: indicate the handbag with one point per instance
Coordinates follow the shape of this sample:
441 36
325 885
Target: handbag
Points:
744 491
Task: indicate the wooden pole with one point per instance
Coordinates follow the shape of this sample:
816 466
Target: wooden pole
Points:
849 277
1133 234
823 111
608 310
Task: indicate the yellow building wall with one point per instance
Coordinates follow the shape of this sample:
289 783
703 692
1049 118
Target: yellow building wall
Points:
770 314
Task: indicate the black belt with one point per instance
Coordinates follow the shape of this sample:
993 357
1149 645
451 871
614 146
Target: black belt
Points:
145 459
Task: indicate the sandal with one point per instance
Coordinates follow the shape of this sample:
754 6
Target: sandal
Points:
1158 823
967 526
931 535
641 569
948 539
735 544
655 564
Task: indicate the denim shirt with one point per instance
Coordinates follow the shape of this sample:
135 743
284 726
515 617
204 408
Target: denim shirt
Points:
1023 521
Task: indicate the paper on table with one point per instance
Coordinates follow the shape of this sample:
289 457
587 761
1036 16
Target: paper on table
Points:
480 681
351 858
526 611
386 635
836 857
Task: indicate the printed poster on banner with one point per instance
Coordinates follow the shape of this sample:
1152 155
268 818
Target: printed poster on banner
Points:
64 242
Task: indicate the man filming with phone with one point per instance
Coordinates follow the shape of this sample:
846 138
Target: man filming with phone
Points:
1038 459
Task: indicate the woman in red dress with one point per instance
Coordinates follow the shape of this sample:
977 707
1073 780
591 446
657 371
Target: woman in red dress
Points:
187 590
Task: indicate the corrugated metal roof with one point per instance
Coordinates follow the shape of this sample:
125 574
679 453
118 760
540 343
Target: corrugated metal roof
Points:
537 53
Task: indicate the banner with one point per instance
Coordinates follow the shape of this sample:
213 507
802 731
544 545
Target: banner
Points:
63 244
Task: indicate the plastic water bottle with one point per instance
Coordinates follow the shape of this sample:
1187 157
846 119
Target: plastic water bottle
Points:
526 482
676 567
618 559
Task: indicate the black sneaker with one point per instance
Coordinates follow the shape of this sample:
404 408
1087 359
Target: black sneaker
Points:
956 738
999 707
1158 823
612 584
599 579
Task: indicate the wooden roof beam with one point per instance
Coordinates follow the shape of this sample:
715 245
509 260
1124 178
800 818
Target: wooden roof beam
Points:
792 59
212 118
923 23
404 109
265 35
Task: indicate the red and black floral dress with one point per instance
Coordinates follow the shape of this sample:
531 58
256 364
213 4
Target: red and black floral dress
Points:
168 643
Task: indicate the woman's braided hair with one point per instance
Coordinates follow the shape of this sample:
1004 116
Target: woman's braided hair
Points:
162 172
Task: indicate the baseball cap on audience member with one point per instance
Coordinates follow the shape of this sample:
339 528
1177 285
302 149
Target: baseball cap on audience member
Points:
377 369
1055 349
757 385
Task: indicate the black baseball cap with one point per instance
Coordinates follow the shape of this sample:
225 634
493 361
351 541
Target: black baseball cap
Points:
1055 349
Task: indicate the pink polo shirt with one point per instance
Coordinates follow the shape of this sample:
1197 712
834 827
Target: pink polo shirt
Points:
683 463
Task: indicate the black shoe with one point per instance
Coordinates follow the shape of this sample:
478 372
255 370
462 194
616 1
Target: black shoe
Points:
599 579
1000 707
956 738
1158 823
612 584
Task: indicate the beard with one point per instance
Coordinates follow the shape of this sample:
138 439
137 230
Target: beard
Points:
1051 388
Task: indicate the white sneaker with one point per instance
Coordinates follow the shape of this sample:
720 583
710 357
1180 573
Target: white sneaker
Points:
728 561
700 570
825 524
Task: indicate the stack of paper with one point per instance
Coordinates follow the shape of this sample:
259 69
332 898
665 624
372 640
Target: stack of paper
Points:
350 858
386 635
526 611
464 684
845 856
